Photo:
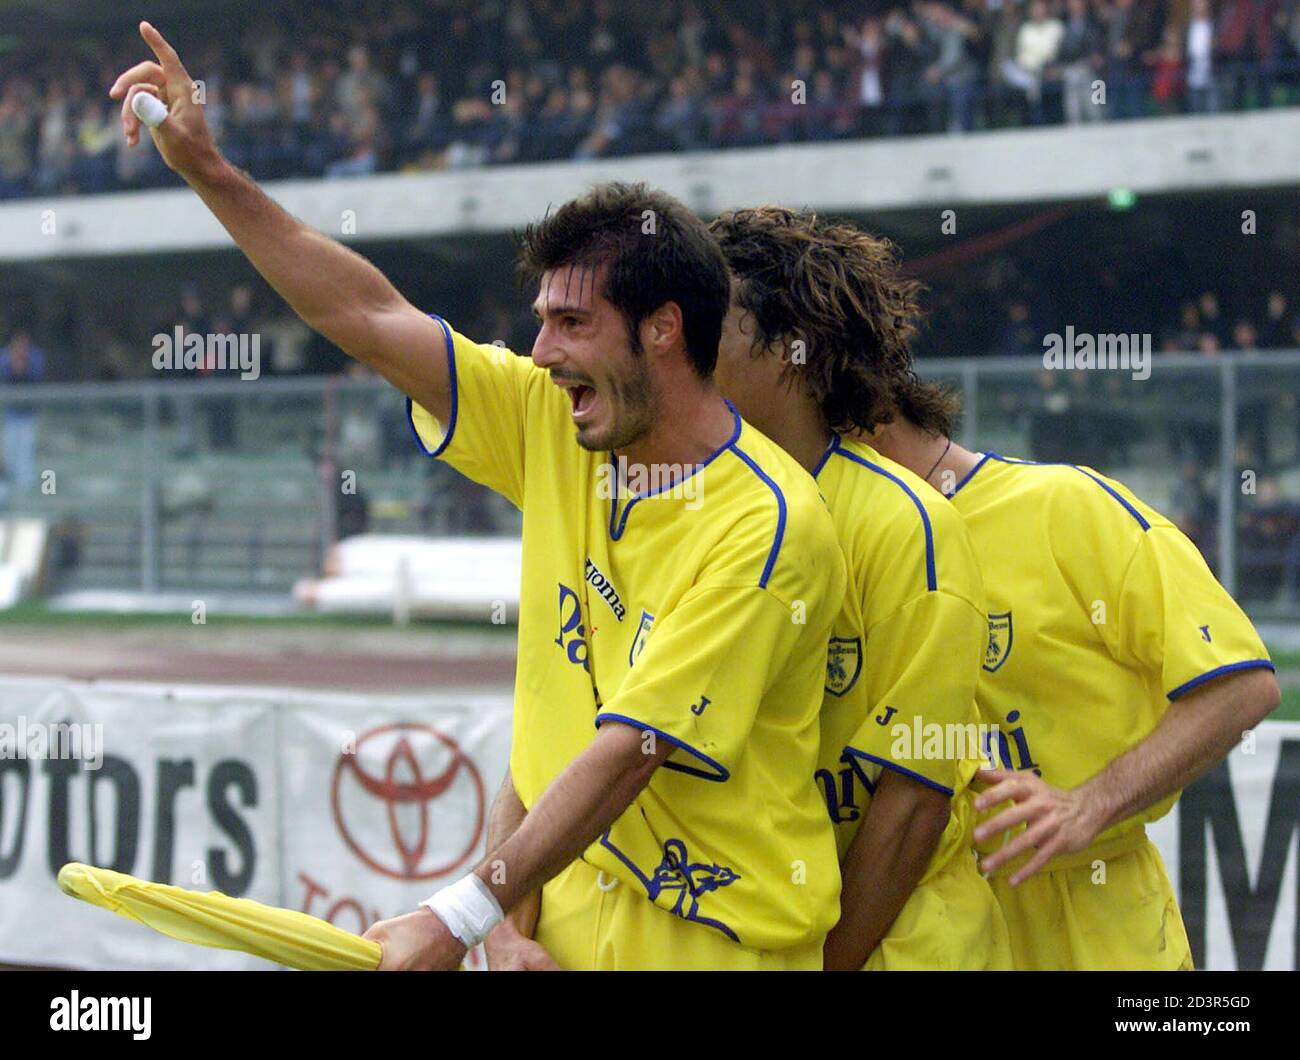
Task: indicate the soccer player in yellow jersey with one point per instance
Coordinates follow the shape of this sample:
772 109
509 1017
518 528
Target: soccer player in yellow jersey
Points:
1117 670
681 574
807 330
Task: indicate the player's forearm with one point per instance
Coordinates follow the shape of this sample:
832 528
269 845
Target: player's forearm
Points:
504 819
883 865
332 288
1196 731
580 804
337 292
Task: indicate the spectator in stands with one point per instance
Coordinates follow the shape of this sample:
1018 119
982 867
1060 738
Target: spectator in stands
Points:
694 33
15 150
292 98
999 26
1212 320
1080 57
1018 337
681 117
910 54
1190 506
828 117
360 86
20 362
953 71
427 132
300 91
219 409
1167 71
1275 333
92 166
193 321
869 75
737 121
1202 87
1128 35
1186 337
55 146
1038 45
1244 336
355 137
1248 43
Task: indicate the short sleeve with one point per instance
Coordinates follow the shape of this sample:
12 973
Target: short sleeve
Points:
1176 619
493 393
704 671
921 666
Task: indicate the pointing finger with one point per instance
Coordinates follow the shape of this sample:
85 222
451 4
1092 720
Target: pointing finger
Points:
177 79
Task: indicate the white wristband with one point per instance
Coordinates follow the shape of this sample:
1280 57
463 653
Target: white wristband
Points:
468 908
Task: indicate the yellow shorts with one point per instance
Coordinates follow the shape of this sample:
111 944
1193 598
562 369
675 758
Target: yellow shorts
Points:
592 922
1060 920
951 922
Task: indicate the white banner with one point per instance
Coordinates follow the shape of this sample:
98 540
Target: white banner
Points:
354 808
350 808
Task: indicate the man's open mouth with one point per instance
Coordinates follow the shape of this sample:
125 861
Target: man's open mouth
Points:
581 399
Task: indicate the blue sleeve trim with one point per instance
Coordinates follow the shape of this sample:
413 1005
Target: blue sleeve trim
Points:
719 773
455 397
1196 682
931 578
780 514
1141 520
1127 506
887 764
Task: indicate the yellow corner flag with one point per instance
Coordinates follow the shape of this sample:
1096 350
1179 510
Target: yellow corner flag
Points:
214 919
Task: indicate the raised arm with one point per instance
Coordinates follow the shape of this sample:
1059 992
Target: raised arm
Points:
335 290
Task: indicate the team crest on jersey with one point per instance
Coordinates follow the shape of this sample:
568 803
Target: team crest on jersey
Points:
640 637
1000 637
843 664
679 878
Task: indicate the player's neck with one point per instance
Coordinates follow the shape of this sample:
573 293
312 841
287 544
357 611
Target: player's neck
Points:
935 457
797 426
689 431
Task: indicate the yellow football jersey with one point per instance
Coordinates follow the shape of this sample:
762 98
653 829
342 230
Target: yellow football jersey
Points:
904 656
698 612
1101 611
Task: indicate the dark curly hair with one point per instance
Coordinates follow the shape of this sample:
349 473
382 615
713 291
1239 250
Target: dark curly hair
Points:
656 250
840 291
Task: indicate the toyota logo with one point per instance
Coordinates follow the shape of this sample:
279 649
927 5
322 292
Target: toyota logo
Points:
385 790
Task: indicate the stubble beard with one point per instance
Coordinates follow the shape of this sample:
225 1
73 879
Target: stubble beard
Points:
635 403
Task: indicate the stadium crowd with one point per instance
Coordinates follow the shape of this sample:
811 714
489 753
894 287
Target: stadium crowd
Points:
1004 307
376 85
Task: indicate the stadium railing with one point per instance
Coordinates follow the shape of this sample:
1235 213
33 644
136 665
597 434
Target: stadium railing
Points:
243 485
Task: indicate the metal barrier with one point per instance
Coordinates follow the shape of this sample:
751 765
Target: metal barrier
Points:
244 485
